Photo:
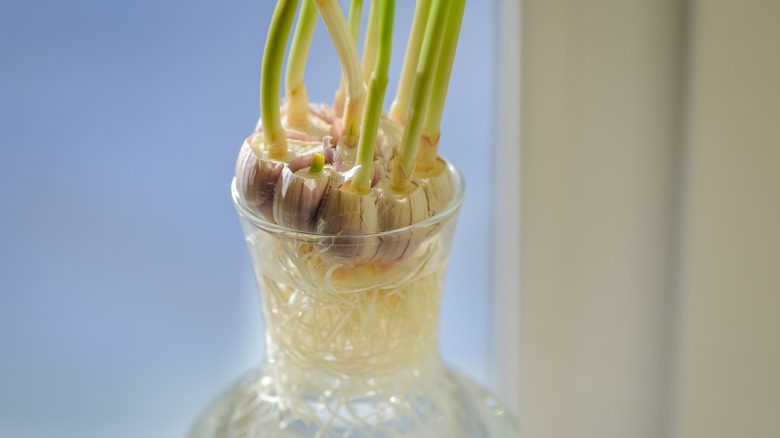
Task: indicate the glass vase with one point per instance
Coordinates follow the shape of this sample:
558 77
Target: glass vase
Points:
351 328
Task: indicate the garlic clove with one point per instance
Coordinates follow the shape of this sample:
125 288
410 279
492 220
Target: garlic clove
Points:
257 173
299 196
256 180
344 213
399 210
438 186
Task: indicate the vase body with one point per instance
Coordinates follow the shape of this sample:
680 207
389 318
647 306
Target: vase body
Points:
352 339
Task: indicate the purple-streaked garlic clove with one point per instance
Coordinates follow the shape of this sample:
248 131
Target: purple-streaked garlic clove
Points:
438 186
257 172
400 209
256 180
343 213
299 195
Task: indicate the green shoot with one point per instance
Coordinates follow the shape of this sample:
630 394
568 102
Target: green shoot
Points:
317 163
401 102
274 137
297 98
418 103
377 85
431 126
370 43
355 9
346 48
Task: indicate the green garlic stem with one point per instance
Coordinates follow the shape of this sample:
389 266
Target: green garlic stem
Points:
355 9
346 49
317 163
401 102
377 85
274 137
418 103
297 98
370 43
441 81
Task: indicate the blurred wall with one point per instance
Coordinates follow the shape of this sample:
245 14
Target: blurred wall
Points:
650 201
599 148
728 342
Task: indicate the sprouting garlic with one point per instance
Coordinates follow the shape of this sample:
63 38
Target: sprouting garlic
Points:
257 173
438 186
344 212
256 180
400 210
299 195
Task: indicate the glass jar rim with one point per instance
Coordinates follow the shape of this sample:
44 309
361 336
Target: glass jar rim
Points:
262 223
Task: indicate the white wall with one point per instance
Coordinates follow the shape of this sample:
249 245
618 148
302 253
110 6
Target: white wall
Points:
599 130
649 209
729 345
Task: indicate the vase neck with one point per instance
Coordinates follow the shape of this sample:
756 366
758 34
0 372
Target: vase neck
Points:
364 335
400 382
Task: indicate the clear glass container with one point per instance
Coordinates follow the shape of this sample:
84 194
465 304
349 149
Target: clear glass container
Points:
352 339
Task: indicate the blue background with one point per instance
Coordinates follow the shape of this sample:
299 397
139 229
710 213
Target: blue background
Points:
126 297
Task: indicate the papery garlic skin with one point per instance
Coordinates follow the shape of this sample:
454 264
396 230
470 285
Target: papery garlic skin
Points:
299 196
438 186
257 172
400 210
344 212
256 180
